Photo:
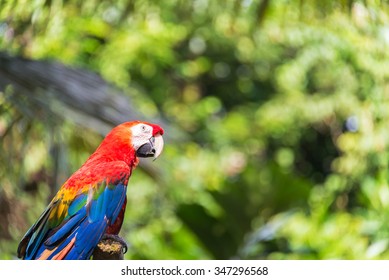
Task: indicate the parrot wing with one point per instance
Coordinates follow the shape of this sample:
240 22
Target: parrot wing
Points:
78 216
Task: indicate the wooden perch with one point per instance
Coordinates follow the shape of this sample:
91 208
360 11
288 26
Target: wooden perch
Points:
109 249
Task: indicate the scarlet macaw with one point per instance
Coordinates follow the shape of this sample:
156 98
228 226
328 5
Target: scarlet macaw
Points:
92 201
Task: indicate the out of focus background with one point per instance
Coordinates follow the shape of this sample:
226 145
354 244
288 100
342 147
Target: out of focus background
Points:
276 115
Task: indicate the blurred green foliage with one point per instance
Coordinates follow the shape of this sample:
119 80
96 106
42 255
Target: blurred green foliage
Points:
286 108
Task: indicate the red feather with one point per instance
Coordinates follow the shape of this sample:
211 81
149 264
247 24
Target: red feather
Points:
90 203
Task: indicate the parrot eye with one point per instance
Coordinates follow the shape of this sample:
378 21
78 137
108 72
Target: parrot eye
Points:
143 128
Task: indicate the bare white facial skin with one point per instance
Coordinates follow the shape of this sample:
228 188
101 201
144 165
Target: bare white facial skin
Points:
142 134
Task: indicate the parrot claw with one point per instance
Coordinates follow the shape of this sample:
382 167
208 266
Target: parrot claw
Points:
118 239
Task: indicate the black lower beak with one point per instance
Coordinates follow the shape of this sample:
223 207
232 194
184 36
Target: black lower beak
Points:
146 150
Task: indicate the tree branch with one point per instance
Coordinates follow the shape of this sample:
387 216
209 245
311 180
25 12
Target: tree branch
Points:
109 249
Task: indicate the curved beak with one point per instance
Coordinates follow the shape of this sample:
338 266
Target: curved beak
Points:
152 148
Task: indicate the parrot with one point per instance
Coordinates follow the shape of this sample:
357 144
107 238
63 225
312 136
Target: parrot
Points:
91 202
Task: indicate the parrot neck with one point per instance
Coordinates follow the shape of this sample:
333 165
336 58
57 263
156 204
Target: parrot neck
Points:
114 151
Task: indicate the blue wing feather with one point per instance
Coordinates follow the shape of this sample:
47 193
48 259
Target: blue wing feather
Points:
87 226
102 212
65 228
87 219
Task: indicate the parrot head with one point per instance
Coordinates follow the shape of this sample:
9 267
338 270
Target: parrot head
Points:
132 139
147 140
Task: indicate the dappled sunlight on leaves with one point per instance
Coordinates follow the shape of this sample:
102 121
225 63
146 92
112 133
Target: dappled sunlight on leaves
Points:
276 121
